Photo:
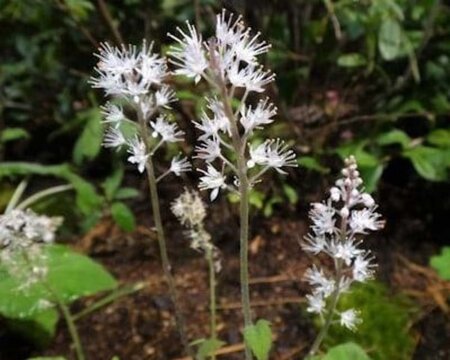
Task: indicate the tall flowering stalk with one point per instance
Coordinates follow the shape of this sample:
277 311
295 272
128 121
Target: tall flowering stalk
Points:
228 63
136 78
191 212
338 227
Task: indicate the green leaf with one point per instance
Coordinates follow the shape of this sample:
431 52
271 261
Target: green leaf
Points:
13 133
39 328
440 138
390 39
112 183
126 193
256 198
311 163
394 137
441 263
430 163
87 198
348 351
123 216
259 338
70 276
290 193
208 347
351 60
89 143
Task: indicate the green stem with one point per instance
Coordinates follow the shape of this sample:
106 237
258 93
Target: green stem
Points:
72 329
115 295
244 190
16 196
329 318
42 194
212 297
154 197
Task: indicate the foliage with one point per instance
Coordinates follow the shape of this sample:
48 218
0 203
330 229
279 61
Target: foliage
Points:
259 338
441 263
385 321
347 351
70 276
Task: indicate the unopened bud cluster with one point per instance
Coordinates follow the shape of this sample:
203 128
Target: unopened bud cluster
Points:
191 212
338 227
22 234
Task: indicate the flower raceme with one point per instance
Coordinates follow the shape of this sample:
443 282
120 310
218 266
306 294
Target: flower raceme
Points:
136 76
338 225
228 62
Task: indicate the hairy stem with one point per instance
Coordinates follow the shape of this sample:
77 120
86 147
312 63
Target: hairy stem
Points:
244 190
154 197
72 329
212 297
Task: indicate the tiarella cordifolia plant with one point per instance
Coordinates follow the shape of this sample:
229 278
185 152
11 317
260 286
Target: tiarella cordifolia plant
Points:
338 227
228 63
191 212
136 77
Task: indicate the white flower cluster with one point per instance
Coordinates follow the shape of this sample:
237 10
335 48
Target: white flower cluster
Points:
337 229
191 212
22 234
228 62
136 76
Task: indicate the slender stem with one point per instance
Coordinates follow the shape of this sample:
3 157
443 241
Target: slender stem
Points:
331 310
72 328
154 197
17 195
42 194
70 322
212 297
115 295
244 190
163 175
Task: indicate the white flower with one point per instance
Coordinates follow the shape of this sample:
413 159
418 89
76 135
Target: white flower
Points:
316 303
127 71
317 278
164 96
179 165
272 153
363 268
350 319
262 114
335 194
250 77
189 56
113 114
322 216
228 32
113 138
137 150
346 251
209 127
365 219
314 244
169 132
248 47
212 180
209 150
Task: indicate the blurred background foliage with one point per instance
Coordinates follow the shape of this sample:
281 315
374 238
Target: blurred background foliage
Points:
366 77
